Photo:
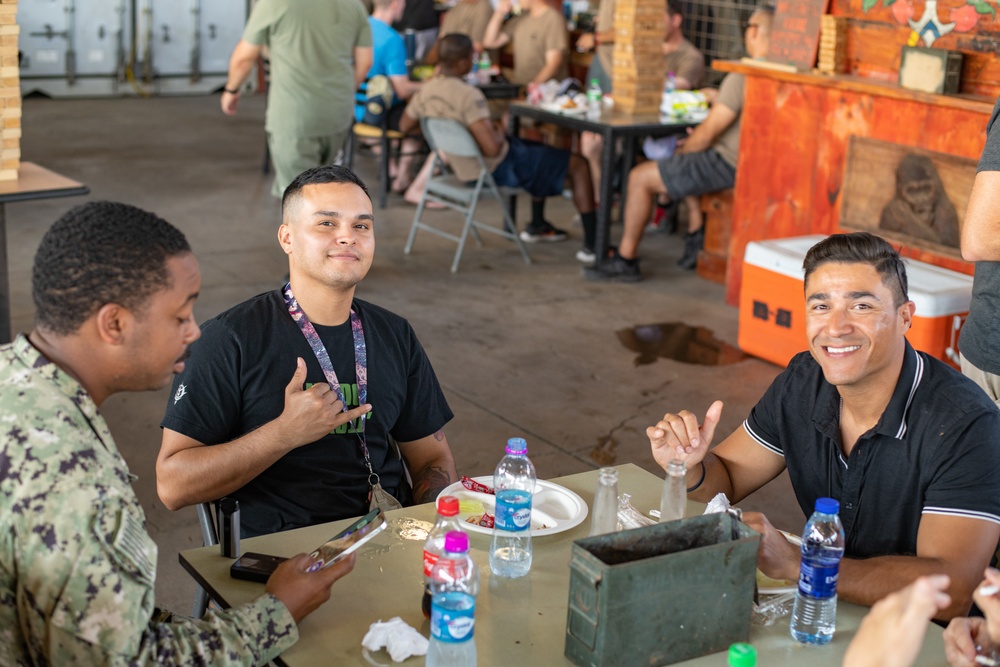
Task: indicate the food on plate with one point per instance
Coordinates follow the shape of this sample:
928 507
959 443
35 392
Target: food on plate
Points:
470 507
473 485
569 103
485 520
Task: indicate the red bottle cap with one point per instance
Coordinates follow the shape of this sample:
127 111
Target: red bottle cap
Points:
447 505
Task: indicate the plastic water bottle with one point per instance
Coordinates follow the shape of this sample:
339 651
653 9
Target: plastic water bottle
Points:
594 95
485 65
447 521
514 482
670 84
605 519
673 501
814 617
454 586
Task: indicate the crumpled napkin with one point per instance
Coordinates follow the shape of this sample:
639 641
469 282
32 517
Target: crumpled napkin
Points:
397 637
720 503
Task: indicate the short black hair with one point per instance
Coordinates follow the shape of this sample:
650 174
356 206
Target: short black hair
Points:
327 173
674 8
453 48
862 248
99 253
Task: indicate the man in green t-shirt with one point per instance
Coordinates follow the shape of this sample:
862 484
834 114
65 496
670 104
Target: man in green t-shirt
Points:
320 52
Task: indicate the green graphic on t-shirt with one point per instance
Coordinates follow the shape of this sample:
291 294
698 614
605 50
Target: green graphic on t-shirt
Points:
351 398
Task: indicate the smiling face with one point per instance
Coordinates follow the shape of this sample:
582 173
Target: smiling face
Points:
855 331
328 234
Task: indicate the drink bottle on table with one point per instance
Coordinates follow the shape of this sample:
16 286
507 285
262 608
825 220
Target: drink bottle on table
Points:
814 616
673 501
454 586
447 521
594 95
514 483
605 517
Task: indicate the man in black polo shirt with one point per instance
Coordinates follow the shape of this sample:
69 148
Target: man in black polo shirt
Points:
906 444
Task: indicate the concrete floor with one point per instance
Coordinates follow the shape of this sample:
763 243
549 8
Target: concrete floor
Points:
520 350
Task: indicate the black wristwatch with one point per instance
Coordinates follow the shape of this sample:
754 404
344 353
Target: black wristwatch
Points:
231 92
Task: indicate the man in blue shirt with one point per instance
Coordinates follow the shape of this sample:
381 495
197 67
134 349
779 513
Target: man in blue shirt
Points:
390 62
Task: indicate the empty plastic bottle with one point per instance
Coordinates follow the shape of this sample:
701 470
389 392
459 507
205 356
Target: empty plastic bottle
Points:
605 518
514 482
814 616
454 586
594 96
485 67
670 83
673 502
447 521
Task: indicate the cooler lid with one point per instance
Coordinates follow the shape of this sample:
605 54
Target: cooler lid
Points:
936 291
782 256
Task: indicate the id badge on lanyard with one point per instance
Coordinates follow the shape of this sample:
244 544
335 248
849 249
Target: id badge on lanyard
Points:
377 496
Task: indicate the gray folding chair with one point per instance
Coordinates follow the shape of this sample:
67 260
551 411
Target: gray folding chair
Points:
209 537
451 137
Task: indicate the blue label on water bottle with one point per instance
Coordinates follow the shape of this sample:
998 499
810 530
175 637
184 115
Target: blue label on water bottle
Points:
513 510
453 617
818 580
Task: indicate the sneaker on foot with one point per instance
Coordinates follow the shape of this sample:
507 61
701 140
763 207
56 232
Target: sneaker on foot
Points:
585 255
693 244
615 269
543 233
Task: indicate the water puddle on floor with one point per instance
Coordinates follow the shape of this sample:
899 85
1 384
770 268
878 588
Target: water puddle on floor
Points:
680 342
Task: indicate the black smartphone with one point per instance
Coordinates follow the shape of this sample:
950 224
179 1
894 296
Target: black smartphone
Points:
255 567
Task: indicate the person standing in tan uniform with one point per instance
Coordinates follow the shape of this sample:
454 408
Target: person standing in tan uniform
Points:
467 17
538 36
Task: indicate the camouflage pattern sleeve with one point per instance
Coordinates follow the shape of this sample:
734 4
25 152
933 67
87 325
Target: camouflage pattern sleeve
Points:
77 567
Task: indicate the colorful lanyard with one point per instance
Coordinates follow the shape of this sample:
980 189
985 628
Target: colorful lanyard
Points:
323 357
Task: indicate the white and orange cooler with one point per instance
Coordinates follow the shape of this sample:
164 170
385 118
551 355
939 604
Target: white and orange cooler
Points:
772 302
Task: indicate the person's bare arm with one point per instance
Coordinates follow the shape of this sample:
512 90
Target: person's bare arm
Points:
553 62
408 124
981 228
189 472
957 546
241 62
720 117
489 138
738 466
363 59
494 37
431 465
403 87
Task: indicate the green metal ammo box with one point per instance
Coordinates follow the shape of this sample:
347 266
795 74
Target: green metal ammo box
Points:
661 594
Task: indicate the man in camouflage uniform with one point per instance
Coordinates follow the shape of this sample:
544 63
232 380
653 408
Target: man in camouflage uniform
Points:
114 288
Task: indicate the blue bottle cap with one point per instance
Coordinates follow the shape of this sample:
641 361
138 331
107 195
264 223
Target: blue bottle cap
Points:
517 446
827 506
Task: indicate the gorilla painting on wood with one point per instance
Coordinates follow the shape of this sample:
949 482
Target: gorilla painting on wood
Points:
920 207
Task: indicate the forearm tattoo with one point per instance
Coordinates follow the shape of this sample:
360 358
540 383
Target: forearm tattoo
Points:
429 482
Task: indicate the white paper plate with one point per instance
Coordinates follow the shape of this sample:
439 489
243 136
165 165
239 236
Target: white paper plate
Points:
554 508
556 108
768 586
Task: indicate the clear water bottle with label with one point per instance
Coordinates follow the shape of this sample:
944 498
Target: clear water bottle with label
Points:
514 483
594 96
484 72
454 586
447 521
814 617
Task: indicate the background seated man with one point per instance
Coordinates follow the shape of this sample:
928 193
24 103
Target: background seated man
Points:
539 169
467 17
114 289
683 60
705 163
292 400
390 61
905 443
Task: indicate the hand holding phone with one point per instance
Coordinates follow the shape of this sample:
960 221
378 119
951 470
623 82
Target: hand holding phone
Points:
348 540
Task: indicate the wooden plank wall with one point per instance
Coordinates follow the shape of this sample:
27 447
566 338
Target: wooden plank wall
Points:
875 38
794 147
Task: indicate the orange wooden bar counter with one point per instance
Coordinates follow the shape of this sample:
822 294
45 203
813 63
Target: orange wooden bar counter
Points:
796 128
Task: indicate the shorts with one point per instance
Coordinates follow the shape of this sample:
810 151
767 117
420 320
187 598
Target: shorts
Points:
536 168
687 174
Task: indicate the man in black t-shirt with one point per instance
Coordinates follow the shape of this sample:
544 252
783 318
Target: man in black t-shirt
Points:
253 415
980 340
905 443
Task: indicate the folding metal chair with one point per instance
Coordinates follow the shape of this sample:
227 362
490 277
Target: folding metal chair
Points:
209 537
451 137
